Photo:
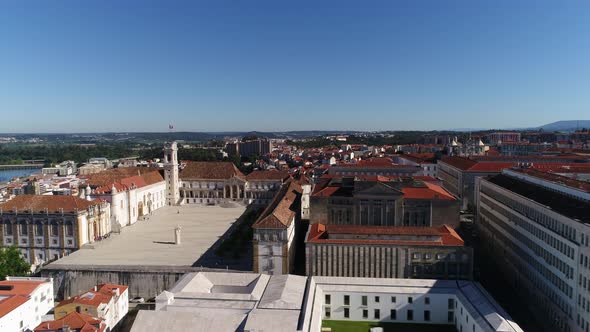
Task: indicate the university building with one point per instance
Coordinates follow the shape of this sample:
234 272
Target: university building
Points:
387 252
46 228
212 183
537 226
381 201
276 230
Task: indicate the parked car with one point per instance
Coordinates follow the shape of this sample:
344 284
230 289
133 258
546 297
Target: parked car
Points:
137 300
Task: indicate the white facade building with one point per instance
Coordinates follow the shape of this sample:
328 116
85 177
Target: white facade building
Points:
23 302
538 223
258 302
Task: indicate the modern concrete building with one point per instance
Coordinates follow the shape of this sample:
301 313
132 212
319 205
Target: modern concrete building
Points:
208 301
536 225
381 201
387 252
258 302
23 302
458 175
275 232
46 228
255 147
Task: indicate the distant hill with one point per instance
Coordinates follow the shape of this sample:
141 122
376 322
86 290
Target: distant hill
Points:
568 125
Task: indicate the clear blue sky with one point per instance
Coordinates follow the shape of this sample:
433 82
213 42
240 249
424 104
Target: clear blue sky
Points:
93 66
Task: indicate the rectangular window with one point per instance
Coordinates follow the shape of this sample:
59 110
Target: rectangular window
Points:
427 315
393 299
39 229
346 312
54 229
426 300
327 312
450 316
328 298
7 229
393 314
364 300
410 299
410 315
23 229
365 313
376 299
69 229
346 299
377 314
451 303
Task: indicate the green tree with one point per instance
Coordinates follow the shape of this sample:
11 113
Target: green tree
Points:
12 263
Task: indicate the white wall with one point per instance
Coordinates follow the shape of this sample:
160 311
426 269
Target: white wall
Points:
29 314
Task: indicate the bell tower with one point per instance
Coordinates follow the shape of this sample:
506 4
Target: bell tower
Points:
171 173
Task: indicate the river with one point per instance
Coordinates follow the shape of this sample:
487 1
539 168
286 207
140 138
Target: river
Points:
6 175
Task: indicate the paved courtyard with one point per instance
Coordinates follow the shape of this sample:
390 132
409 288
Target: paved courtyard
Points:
151 241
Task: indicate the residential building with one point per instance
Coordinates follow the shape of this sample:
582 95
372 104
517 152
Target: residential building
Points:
426 161
503 137
536 226
381 201
255 147
275 232
73 322
257 302
46 228
23 302
107 301
64 168
387 252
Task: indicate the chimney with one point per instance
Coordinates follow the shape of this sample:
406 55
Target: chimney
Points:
116 292
177 235
95 288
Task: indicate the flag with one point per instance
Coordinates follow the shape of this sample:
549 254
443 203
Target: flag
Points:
170 126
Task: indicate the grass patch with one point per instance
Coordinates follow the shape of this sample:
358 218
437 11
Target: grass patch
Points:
356 326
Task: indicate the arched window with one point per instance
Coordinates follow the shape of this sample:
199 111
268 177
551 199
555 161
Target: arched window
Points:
7 225
23 228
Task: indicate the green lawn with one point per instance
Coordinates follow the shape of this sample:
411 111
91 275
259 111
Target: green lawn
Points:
353 326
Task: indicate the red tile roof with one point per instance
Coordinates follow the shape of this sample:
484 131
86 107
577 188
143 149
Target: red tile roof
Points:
319 233
268 175
50 203
114 175
90 298
108 289
431 192
280 212
461 163
74 320
490 166
19 293
11 302
130 182
210 170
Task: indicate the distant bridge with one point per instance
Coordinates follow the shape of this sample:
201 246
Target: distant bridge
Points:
22 166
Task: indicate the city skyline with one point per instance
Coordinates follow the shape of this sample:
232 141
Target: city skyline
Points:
279 67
